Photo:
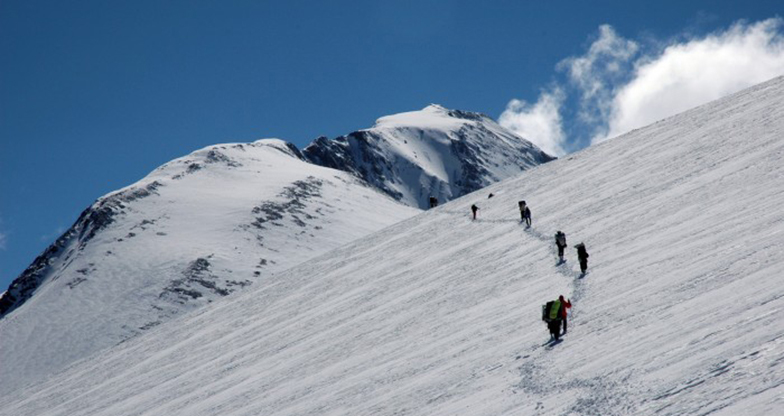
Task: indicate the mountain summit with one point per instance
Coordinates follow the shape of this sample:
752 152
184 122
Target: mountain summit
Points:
441 315
435 151
230 216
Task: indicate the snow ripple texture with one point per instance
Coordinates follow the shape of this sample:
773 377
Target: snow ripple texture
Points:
440 315
195 230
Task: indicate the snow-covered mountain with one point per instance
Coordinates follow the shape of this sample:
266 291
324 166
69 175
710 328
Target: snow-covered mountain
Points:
440 315
435 151
225 217
194 230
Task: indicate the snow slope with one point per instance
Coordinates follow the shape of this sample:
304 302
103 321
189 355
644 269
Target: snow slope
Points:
439 315
214 222
194 230
435 151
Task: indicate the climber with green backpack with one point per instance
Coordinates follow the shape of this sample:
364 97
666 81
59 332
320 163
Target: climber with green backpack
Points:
551 315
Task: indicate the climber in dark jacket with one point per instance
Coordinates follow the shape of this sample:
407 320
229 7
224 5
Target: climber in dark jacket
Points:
474 209
554 316
560 241
582 255
521 205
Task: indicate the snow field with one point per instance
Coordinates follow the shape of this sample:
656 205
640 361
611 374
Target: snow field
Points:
118 285
440 315
386 322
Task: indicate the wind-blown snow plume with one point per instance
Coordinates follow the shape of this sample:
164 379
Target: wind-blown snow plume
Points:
605 64
540 122
619 85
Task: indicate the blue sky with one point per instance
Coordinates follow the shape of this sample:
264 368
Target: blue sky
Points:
94 95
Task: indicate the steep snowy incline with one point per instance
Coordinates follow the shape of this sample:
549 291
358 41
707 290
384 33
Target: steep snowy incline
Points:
435 151
194 230
440 315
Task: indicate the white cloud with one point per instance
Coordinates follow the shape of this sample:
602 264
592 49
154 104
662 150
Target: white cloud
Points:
691 73
594 74
615 86
538 123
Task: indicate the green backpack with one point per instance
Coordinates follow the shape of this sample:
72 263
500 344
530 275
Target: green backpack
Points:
550 311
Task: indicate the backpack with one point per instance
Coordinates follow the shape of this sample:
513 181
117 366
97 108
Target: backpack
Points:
555 311
581 252
560 238
546 311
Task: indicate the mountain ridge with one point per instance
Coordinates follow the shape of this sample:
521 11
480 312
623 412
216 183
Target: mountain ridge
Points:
440 315
449 153
195 229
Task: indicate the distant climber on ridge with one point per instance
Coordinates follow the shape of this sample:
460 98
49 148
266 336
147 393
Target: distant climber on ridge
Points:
474 209
433 202
521 205
560 241
582 255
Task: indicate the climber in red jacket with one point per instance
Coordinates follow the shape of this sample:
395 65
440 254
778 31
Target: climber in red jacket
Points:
566 305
